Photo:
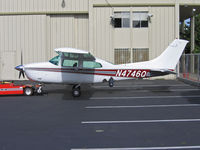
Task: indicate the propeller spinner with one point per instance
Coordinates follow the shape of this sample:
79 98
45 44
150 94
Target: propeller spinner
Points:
20 68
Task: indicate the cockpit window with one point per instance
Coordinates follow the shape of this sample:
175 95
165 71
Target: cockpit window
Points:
91 64
77 56
55 60
70 63
88 56
71 55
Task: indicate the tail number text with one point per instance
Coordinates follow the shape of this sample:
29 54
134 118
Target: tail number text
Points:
132 73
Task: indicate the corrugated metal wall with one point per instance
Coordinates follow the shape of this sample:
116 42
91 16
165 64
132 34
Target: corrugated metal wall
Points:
68 31
161 29
42 5
36 36
103 34
161 32
57 26
24 33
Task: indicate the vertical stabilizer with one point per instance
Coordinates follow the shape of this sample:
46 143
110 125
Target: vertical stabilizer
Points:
170 57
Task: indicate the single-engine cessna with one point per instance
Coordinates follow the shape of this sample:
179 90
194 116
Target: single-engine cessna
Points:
75 67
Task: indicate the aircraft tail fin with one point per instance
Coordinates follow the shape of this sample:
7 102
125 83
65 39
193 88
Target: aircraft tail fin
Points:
170 57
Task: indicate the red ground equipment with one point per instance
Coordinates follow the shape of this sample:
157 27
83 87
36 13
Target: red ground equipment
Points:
8 88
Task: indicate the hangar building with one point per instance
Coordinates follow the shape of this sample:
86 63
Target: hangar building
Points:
119 31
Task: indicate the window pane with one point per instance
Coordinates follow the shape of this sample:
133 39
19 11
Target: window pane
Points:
144 24
126 22
143 16
122 56
88 57
125 15
118 15
70 63
140 15
71 55
55 60
122 19
140 54
97 65
136 16
118 22
91 64
136 24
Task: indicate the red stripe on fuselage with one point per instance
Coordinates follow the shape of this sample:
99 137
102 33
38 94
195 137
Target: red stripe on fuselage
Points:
131 73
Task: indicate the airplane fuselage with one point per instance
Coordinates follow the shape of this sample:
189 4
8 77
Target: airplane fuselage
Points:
49 73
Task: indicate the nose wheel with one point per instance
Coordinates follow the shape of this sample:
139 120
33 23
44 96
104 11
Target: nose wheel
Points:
76 90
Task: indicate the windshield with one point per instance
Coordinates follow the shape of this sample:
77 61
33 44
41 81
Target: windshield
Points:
55 60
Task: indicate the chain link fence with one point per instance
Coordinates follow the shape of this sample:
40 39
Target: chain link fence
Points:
189 67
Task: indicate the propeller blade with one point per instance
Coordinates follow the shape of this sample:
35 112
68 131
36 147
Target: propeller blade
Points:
20 73
23 74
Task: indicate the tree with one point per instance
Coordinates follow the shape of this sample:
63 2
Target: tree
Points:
197 34
187 35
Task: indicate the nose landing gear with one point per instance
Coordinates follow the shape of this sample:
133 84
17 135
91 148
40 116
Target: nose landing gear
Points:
76 90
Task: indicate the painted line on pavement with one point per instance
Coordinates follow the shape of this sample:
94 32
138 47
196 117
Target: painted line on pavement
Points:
104 86
142 106
146 97
140 121
143 148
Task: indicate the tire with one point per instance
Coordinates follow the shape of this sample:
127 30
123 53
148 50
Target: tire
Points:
28 91
111 82
76 92
39 90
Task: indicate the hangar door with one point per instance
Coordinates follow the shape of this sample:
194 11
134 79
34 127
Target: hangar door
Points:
7 64
68 31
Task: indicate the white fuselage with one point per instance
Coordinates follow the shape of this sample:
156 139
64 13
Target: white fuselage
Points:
73 66
47 72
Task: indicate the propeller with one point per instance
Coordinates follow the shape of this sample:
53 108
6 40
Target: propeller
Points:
20 68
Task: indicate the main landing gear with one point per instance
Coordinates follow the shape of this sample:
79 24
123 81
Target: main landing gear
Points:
111 82
76 90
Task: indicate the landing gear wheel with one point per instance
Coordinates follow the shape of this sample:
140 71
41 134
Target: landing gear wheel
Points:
28 91
76 91
111 82
39 90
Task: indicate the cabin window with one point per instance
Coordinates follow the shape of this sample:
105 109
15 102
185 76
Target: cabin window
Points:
122 19
91 64
70 63
140 19
77 56
55 60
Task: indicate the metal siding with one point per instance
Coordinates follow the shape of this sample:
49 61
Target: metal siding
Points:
81 31
23 33
68 31
42 5
161 31
103 34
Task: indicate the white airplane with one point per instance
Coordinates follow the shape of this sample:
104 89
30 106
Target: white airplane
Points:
75 67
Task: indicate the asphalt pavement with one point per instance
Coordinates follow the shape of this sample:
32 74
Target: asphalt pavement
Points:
133 115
